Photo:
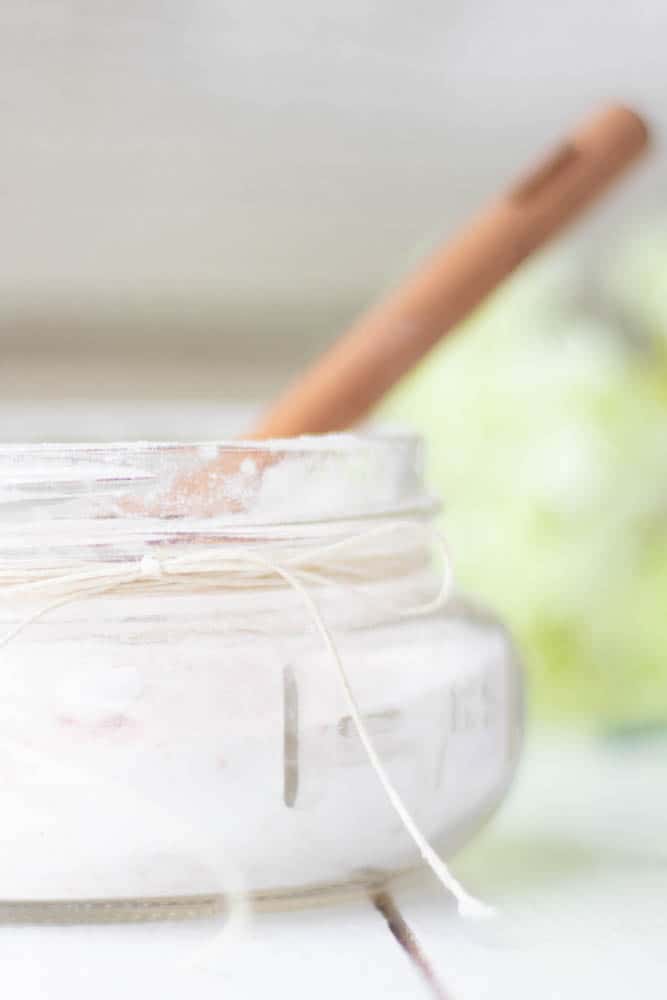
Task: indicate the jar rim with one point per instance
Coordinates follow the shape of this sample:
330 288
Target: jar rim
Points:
375 473
308 443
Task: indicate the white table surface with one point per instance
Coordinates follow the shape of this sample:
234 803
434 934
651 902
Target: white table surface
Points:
576 863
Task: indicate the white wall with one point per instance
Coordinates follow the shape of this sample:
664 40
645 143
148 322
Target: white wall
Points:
230 154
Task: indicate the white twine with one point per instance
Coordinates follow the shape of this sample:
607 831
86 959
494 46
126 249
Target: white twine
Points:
231 567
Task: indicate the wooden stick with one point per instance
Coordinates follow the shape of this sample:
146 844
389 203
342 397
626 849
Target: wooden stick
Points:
388 341
354 374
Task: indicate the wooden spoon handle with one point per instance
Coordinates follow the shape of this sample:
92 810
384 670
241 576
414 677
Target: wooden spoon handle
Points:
390 339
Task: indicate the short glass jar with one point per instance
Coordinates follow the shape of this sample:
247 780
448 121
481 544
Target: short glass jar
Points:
168 733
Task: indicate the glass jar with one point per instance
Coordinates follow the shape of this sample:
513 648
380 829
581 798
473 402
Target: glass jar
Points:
169 732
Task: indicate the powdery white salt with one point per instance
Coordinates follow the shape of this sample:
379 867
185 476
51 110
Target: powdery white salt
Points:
220 709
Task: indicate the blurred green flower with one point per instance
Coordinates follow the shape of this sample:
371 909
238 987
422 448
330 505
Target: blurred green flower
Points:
547 433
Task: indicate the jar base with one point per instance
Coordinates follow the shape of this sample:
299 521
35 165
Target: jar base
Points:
204 906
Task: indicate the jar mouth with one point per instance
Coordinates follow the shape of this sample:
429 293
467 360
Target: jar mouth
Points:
290 481
307 443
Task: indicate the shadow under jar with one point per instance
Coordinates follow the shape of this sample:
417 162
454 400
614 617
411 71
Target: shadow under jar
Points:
172 725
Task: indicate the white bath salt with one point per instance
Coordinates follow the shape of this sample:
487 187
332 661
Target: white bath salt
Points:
203 691
104 696
203 734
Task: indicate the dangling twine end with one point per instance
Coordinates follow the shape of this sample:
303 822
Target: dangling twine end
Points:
467 905
474 909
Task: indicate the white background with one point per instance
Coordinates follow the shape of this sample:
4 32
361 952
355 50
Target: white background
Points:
239 159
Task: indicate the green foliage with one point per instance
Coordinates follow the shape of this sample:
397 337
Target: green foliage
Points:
547 434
